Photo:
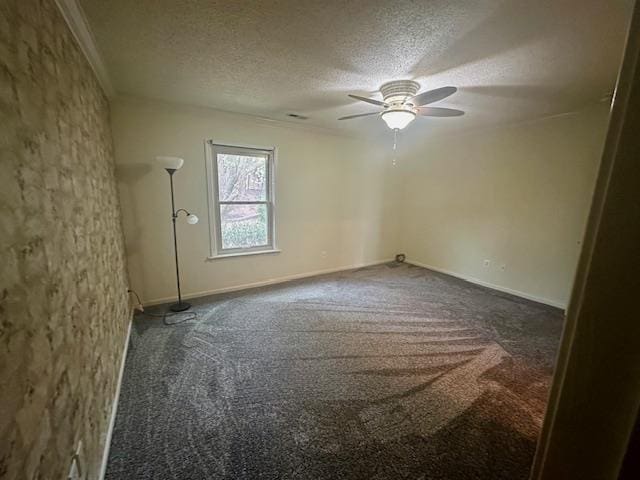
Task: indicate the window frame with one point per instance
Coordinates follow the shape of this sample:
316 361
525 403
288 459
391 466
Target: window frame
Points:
212 149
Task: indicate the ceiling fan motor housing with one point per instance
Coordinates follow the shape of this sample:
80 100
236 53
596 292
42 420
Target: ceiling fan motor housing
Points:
402 103
396 93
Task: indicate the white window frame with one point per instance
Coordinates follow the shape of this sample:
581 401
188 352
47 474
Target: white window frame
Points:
212 148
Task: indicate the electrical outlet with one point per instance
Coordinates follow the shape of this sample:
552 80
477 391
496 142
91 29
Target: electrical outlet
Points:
323 254
487 263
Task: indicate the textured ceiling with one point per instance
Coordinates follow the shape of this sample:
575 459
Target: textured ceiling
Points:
513 60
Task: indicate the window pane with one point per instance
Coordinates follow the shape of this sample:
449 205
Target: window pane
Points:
243 226
242 178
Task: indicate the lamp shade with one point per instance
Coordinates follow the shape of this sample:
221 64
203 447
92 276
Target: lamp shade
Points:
398 118
171 163
192 219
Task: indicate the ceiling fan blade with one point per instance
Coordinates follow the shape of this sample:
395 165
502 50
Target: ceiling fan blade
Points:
432 96
358 115
439 112
372 101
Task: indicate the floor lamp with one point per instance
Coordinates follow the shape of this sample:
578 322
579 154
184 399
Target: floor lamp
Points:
171 165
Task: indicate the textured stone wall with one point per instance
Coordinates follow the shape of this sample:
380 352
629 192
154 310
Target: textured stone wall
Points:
63 301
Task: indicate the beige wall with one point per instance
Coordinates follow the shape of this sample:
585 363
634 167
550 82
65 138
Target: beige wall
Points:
515 195
63 307
333 194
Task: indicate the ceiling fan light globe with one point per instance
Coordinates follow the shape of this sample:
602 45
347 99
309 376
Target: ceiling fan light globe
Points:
398 119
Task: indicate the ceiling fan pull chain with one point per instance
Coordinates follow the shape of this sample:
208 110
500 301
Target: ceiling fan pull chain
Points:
395 146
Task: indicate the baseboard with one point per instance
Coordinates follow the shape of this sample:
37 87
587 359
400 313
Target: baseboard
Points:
114 405
263 283
492 286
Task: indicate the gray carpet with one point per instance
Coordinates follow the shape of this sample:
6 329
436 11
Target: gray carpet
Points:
387 372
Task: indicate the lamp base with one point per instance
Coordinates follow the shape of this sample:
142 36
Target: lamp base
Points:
180 307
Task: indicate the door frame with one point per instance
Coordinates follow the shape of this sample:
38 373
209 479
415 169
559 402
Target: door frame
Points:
595 394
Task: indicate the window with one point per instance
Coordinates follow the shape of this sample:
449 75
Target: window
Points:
241 199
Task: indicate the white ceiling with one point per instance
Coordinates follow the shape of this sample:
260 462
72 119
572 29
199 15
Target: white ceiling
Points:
512 60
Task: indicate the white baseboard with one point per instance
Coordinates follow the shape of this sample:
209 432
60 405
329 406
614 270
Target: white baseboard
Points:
271 281
114 405
477 281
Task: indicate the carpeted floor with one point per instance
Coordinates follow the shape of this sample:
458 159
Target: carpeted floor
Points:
387 372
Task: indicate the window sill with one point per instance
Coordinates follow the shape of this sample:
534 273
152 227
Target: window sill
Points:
242 254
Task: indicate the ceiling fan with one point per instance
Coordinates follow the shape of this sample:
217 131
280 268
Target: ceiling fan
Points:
402 103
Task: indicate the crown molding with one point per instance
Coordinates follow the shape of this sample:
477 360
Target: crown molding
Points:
77 22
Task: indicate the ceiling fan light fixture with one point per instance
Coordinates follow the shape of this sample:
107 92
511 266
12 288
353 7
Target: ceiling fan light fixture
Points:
398 119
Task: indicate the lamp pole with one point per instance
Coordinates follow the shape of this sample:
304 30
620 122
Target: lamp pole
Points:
171 164
180 306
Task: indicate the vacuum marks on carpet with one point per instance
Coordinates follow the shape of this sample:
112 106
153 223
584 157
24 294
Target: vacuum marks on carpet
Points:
386 372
